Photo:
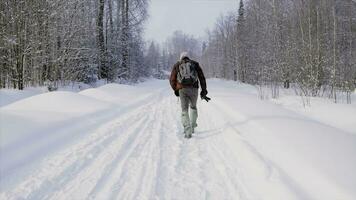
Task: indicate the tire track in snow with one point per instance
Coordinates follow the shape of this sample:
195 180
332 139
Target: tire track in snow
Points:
230 172
187 170
253 166
189 174
142 175
137 168
96 174
60 168
62 135
78 160
169 144
225 177
153 159
120 152
125 171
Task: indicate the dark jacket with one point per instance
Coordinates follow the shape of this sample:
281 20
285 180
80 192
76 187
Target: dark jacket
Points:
176 85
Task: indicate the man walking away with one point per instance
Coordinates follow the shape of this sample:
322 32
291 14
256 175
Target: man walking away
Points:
185 78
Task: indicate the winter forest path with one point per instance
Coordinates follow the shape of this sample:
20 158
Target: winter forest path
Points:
143 155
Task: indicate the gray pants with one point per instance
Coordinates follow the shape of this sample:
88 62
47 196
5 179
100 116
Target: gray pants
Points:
188 98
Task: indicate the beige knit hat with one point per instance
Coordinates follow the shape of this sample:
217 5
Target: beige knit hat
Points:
184 55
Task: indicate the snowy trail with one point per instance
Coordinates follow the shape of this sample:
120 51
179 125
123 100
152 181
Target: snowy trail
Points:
143 155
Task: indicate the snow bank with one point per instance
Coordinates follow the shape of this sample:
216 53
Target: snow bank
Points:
33 114
62 102
340 115
8 96
317 159
117 93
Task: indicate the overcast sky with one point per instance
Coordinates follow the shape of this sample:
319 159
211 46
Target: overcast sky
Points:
191 16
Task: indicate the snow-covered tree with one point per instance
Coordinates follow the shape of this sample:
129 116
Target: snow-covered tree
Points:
53 42
305 43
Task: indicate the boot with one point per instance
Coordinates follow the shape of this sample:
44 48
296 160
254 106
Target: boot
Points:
186 124
193 118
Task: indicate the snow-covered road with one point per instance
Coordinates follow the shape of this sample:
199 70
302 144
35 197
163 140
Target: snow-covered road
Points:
243 148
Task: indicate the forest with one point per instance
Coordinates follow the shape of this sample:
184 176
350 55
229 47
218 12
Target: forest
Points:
308 45
51 42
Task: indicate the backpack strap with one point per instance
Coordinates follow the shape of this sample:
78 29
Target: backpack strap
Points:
178 71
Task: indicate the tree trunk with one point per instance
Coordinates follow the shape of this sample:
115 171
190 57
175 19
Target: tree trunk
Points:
334 56
100 41
125 38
